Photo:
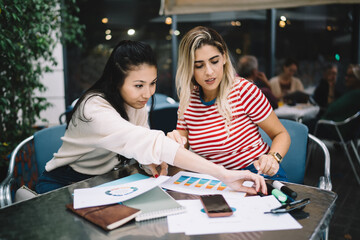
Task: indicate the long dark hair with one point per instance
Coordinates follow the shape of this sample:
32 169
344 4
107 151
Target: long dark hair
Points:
125 57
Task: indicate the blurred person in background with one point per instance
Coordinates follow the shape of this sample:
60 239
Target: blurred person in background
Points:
349 103
326 91
247 68
344 107
285 83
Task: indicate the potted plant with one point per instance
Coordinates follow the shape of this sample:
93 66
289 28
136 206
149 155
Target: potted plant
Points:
29 31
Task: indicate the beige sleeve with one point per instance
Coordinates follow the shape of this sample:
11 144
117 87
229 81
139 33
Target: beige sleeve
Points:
108 130
298 85
275 87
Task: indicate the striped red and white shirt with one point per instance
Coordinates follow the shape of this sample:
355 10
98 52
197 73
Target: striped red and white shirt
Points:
207 134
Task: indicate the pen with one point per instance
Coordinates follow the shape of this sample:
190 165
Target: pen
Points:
305 200
289 199
278 185
277 210
260 194
278 194
296 205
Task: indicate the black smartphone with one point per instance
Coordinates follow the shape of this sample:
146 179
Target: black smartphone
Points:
216 205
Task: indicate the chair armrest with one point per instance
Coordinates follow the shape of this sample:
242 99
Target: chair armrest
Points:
5 194
331 122
325 181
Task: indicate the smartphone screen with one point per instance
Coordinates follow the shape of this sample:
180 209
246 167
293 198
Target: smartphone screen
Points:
216 205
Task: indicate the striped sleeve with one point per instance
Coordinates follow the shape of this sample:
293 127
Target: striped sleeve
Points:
181 124
256 105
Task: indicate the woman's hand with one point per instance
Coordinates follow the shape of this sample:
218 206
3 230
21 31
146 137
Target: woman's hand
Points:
262 77
176 136
267 165
235 179
152 169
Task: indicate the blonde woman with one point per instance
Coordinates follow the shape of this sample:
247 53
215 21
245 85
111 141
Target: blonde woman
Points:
219 113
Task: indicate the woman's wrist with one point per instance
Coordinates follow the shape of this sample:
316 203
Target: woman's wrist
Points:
220 173
273 159
276 156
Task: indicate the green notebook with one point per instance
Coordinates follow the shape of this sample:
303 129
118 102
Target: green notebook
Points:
154 203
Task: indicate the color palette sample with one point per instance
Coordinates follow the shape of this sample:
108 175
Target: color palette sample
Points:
199 184
181 179
191 181
212 184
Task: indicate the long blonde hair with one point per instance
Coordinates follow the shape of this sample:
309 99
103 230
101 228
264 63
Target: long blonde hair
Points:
185 81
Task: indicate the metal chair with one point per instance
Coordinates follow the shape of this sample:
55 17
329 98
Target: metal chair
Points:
161 100
345 133
164 118
294 162
65 115
41 146
164 115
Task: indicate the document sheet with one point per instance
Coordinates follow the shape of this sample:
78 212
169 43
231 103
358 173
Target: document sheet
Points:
91 197
200 184
248 216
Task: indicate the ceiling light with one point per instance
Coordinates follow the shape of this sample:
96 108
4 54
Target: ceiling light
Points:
105 20
168 20
131 32
282 24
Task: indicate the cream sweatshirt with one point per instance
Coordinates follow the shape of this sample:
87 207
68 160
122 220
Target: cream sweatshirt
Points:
296 85
92 147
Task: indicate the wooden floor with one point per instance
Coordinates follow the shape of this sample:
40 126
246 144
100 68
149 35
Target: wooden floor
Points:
345 222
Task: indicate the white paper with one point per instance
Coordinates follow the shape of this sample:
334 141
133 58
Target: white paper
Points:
248 216
201 184
299 111
91 197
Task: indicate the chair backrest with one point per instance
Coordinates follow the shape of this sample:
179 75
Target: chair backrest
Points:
161 100
164 118
63 118
164 115
347 130
47 142
294 161
28 161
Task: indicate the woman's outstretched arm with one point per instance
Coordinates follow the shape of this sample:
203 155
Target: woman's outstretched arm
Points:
233 178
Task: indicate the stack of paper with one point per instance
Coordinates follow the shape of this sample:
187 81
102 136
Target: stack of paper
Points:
248 216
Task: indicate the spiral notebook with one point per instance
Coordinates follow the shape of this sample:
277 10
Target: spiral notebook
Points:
155 203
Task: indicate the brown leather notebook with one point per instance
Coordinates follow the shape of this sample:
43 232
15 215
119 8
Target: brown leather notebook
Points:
107 217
